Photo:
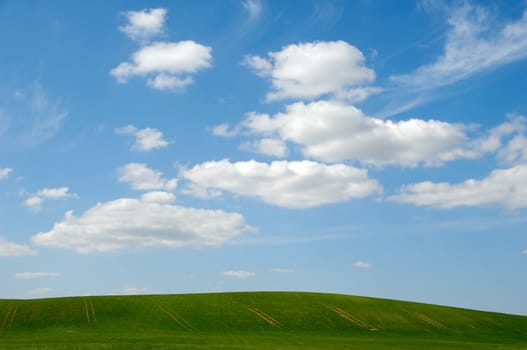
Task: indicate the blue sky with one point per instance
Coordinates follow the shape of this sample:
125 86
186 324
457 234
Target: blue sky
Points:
370 148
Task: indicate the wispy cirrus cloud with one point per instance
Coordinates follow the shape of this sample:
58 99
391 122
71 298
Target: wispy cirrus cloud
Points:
253 8
30 117
242 274
34 275
476 41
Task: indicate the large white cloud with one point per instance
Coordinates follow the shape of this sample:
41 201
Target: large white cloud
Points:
309 70
298 184
145 139
134 223
167 65
141 177
8 248
331 131
145 24
503 187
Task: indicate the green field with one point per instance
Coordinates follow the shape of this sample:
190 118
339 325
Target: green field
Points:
263 320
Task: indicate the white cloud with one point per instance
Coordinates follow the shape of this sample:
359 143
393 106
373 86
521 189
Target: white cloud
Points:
223 130
270 147
33 275
310 70
282 270
141 177
145 24
298 184
158 197
41 291
238 274
56 193
253 8
331 131
4 173
168 65
135 223
515 152
34 203
30 118
473 44
14 249
145 139
363 265
504 187
525 251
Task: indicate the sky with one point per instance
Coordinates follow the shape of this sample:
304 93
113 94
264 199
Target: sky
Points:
366 148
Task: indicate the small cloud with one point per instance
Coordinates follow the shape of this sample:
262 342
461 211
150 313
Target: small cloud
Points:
158 197
238 274
267 146
141 177
282 270
363 265
4 173
40 291
14 249
525 251
145 24
223 130
145 139
34 203
253 8
33 275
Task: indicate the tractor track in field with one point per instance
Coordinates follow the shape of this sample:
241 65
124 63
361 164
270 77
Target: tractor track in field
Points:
9 318
175 317
428 320
264 316
350 317
89 310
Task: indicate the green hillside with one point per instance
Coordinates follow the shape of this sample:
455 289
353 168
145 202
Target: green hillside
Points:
263 320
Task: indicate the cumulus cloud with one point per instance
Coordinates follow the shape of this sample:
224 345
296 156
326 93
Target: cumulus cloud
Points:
168 66
474 43
223 130
4 173
269 147
363 265
141 177
503 187
145 24
14 249
145 139
253 8
136 223
158 197
34 203
33 275
297 184
310 70
238 274
332 132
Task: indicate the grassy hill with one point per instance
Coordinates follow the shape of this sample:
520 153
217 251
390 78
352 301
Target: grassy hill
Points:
263 320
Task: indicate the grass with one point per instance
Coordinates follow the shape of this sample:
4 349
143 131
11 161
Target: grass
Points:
251 321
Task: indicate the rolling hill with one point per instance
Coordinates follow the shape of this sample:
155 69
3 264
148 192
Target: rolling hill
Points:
252 320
